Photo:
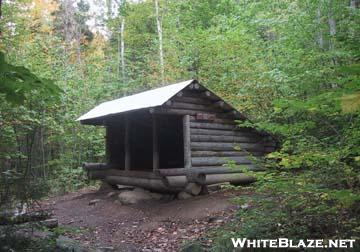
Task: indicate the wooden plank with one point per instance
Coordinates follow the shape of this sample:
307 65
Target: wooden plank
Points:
155 144
223 153
226 146
127 143
213 161
224 139
187 141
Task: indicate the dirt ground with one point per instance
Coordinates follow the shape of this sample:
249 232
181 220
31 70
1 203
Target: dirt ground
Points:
148 226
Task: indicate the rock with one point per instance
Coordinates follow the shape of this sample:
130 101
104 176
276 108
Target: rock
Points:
110 194
157 196
93 202
133 197
184 195
118 202
68 245
49 223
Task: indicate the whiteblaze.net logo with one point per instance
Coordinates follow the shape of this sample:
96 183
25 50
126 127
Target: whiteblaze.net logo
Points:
288 243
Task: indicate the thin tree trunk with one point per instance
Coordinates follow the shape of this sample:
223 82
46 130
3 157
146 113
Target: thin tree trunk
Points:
122 49
320 32
332 30
161 53
353 4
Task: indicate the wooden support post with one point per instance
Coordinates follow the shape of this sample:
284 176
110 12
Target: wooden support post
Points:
155 144
187 143
107 144
127 143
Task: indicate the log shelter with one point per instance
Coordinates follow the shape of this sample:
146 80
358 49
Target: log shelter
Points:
174 136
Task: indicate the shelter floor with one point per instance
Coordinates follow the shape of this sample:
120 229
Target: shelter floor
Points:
147 226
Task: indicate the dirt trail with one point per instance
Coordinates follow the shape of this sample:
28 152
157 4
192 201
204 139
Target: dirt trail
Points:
149 226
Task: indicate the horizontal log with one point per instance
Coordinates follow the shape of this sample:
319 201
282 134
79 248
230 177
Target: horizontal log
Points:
178 183
223 153
157 185
222 120
197 107
224 132
207 170
213 161
194 100
99 174
224 139
226 146
11 219
97 166
234 179
203 125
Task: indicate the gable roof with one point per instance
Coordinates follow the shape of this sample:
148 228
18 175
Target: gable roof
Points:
147 99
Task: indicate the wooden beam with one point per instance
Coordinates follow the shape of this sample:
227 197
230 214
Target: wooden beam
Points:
107 144
127 143
187 141
155 144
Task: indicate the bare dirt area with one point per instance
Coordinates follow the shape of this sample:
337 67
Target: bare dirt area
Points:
99 219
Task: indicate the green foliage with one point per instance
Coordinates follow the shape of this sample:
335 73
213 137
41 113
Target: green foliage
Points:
17 82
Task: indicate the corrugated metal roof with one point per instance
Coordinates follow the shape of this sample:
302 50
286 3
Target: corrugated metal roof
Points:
147 99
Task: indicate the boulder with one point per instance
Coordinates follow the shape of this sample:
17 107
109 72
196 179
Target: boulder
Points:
134 197
93 202
184 195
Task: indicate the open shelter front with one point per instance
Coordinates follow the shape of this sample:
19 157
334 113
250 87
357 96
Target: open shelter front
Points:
175 137
141 141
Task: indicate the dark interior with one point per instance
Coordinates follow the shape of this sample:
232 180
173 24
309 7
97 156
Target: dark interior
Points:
170 141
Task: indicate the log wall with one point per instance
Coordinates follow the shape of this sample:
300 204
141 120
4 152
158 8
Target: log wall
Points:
215 139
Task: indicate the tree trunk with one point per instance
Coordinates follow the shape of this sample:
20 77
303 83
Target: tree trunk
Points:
122 49
161 53
320 32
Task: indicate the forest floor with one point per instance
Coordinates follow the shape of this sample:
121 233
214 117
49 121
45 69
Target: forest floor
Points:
147 226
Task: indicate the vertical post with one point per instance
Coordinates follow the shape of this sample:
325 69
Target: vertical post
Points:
127 143
107 144
155 144
187 147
